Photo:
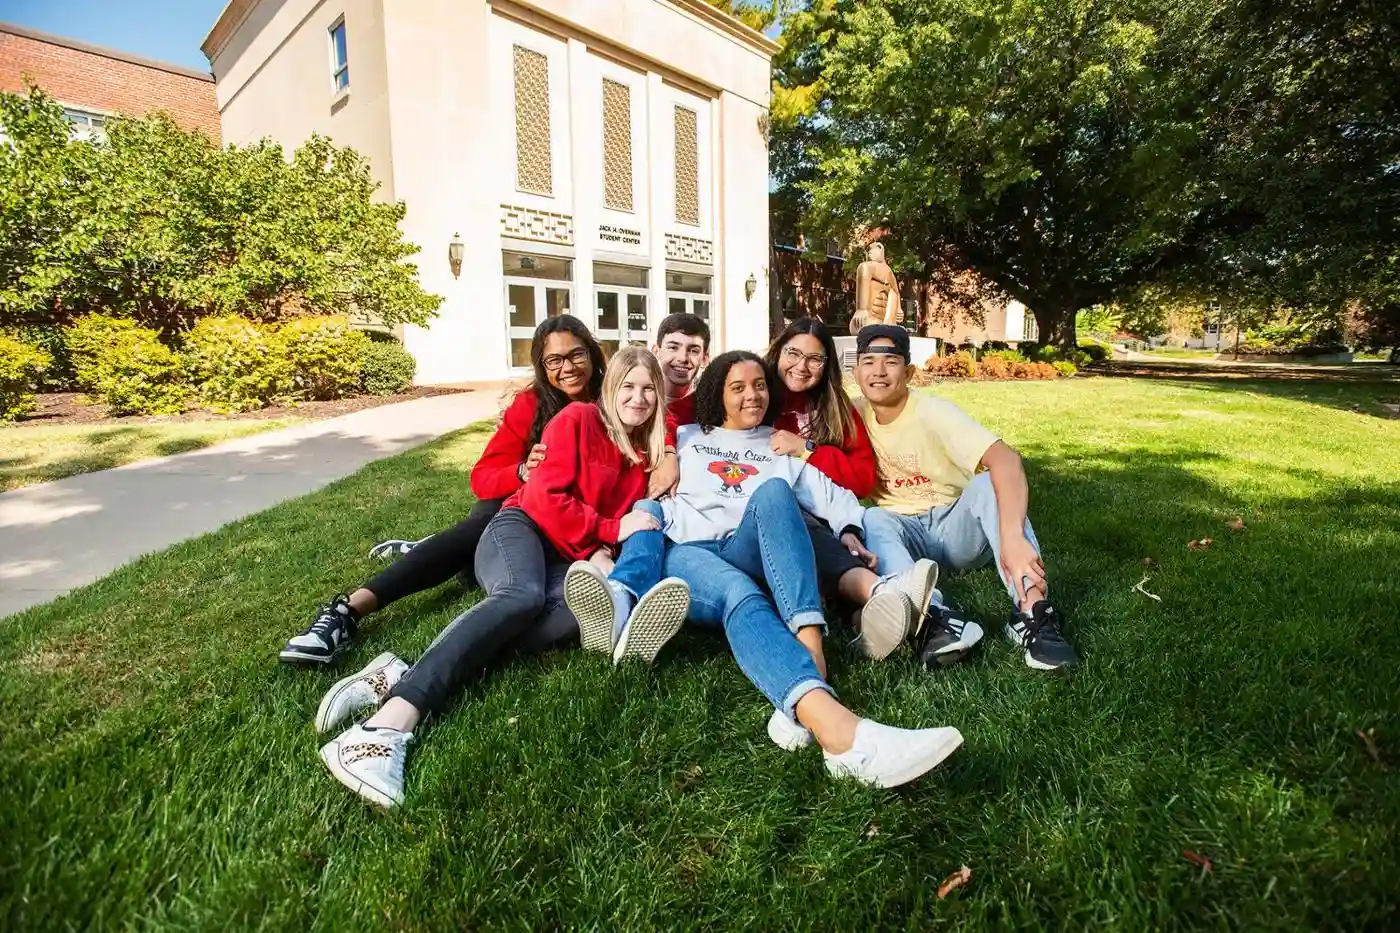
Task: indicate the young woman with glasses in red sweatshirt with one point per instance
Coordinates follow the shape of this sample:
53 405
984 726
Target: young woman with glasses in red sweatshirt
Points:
578 500
568 365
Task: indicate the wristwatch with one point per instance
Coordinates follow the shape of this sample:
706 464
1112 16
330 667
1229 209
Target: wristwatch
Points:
811 447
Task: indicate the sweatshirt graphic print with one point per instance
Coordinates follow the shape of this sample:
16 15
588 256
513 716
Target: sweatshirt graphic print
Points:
720 471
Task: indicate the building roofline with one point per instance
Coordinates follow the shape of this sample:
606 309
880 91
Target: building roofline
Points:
723 21
27 33
236 11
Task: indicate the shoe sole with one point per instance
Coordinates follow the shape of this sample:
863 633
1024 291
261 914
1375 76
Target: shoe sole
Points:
926 583
296 656
1031 662
587 595
323 723
330 754
658 616
918 769
884 624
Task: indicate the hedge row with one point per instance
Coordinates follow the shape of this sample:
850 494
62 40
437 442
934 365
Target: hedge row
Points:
226 364
996 364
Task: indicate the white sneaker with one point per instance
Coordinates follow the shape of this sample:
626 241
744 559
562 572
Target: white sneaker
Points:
599 607
364 689
918 583
885 622
787 733
369 762
884 756
658 616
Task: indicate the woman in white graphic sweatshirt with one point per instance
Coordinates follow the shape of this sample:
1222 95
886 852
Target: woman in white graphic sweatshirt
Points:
736 518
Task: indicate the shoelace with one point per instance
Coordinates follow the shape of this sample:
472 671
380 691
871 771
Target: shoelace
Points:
1045 629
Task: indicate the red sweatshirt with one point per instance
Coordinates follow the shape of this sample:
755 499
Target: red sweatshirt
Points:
583 487
851 464
496 475
678 412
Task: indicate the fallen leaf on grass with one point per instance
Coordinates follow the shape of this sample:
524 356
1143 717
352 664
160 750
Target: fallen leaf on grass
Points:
512 720
872 832
1236 523
1149 563
1368 738
1195 858
954 881
1200 545
1144 592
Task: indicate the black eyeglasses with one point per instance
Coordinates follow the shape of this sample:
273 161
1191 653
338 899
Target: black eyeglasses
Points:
576 359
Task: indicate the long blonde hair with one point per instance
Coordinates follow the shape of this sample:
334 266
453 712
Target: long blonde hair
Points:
650 435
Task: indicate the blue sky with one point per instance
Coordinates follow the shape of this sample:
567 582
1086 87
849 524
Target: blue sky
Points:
169 30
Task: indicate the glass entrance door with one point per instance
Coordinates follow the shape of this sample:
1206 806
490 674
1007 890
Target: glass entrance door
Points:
620 298
688 292
537 287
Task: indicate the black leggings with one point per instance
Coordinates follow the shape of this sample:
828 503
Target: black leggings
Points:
437 559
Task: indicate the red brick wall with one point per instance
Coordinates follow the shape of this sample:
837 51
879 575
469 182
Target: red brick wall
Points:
90 80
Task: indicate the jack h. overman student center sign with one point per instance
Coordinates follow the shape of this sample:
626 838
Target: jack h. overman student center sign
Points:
620 235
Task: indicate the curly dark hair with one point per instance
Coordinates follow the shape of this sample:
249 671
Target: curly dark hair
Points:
709 391
832 421
553 400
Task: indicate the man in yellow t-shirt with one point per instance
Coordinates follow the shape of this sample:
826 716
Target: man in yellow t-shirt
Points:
951 491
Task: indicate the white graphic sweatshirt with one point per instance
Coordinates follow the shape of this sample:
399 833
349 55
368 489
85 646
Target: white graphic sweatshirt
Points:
720 471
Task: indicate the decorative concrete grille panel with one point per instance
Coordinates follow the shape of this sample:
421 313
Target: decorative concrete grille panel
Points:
687 166
534 171
617 146
689 249
525 224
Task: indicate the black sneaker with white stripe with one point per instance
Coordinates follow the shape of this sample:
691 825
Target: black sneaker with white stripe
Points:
1038 634
333 632
944 637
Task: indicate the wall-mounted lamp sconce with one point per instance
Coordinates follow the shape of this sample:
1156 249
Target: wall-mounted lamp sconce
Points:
454 254
750 287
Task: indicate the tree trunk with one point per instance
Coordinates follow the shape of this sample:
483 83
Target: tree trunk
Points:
1056 325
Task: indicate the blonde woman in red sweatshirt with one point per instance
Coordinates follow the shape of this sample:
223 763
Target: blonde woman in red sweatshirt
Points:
578 500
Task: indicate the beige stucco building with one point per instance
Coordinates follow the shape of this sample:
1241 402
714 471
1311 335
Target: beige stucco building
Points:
607 158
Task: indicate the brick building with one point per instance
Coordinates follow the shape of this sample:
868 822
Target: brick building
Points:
94 83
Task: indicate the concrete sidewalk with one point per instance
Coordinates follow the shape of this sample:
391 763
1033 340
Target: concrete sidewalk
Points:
55 537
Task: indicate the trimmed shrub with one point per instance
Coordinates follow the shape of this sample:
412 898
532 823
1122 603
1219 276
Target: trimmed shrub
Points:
22 367
86 339
1065 367
235 364
59 377
995 366
958 366
325 355
386 368
1010 356
127 367
1095 352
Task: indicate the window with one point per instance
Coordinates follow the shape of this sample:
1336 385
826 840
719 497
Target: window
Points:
620 293
1029 329
688 292
617 146
534 170
340 59
537 287
86 125
687 166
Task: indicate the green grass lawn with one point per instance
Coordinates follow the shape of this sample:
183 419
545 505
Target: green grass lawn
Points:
37 453
1181 353
160 769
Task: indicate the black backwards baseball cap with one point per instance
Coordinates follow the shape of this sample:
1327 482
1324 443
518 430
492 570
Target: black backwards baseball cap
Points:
872 332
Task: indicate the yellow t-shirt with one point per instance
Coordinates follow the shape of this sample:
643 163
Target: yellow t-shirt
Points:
927 455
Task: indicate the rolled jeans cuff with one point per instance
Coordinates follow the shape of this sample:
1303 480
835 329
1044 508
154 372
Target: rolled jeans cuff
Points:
810 618
796 694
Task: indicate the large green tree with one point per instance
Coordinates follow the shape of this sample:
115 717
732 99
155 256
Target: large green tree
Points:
158 224
1072 152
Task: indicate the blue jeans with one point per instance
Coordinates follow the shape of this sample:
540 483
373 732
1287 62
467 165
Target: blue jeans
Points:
772 543
962 536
